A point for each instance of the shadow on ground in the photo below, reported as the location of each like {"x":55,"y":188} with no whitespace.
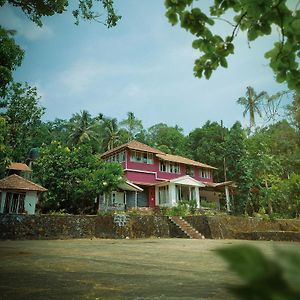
{"x":116,"y":269}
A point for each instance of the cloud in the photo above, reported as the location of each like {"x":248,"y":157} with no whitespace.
{"x":86,"y":73}
{"x":23,"y":26}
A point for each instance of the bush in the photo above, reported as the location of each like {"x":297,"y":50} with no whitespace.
{"x":183,"y":208}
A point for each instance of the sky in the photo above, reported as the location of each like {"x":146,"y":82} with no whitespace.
{"x":143,"y":65}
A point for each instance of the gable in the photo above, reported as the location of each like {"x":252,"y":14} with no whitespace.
{"x":187,"y":180}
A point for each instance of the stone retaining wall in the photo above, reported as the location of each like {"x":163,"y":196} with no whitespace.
{"x":77,"y":226}
{"x":143,"y":226}
{"x":232,"y":227}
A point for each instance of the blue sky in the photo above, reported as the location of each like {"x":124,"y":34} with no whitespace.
{"x":143,"y":65}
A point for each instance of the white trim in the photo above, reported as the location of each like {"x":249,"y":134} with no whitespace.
{"x":148,"y":172}
{"x":180,"y":180}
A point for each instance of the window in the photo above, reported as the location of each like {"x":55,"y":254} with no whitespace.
{"x":163,"y":166}
{"x":14,"y":203}
{"x":170,"y":167}
{"x":117,"y":157}
{"x":163,"y":194}
{"x":121,"y":157}
{"x":143,"y":157}
{"x":190,"y":171}
{"x":174,"y":168}
{"x":204,"y":173}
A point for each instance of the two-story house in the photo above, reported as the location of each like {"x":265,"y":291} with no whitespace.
{"x":157,"y":178}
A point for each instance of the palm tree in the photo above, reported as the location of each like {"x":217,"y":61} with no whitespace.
{"x":132,"y":125}
{"x":112,"y":135}
{"x":252,"y":104}
{"x":83,"y":129}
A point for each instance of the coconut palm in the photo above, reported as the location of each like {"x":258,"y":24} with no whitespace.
{"x":112,"y":133}
{"x":83,"y":129}
{"x":252,"y":104}
{"x":132,"y":125}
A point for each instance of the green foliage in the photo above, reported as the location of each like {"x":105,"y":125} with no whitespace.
{"x":207,"y":145}
{"x":264,"y":277}
{"x":252,"y":104}
{"x":209,"y":205}
{"x":11,"y":56}
{"x":5,"y":150}
{"x":111,"y":133}
{"x":23,"y":116}
{"x":36,"y":10}
{"x":285,"y":196}
{"x":167,"y":138}
{"x":237,"y":165}
{"x":183,"y":208}
{"x":133,"y":126}
{"x":257,"y":18}
{"x":83,"y":130}
{"x":74,"y":177}
{"x":294,"y":110}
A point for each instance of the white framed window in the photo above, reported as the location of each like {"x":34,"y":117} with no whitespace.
{"x":163,"y":166}
{"x":142,"y":157}
{"x":121,"y":156}
{"x":117,"y":157}
{"x":163,"y":194}
{"x":174,"y":168}
{"x":169,"y":167}
{"x":205,"y":173}
{"x":190,"y":171}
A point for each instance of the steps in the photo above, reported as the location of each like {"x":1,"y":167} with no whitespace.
{"x":190,"y":231}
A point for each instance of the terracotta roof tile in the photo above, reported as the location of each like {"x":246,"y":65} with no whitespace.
{"x":16,"y":182}
{"x":19,"y":167}
{"x":183,"y":160}
{"x":134,"y":145}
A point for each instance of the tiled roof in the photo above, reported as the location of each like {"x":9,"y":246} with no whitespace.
{"x":134,"y":145}
{"x":19,"y":167}
{"x":221,"y":184}
{"x":183,"y":160}
{"x":16,"y":182}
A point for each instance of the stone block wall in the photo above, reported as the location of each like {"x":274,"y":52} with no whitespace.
{"x":233,"y":227}
{"x":143,"y":226}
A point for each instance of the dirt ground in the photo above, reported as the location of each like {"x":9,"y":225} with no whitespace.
{"x":117,"y":269}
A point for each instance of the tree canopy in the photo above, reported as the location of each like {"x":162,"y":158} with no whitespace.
{"x":74,"y":177}
{"x":23,"y":113}
{"x":257,"y":18}
{"x":11,"y":56}
{"x":86,"y":10}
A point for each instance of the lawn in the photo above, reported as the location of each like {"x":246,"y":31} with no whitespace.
{"x":117,"y":269}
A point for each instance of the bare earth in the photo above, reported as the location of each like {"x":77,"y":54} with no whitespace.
{"x":118,"y":269}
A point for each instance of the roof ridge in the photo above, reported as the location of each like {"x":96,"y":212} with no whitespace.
{"x":132,"y":145}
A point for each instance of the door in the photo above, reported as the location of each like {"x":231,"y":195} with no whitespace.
{"x":151,"y":196}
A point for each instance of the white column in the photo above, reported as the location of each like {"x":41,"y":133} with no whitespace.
{"x":135,"y":200}
{"x":172,"y":195}
{"x":227,"y":198}
{"x":2,"y":201}
{"x":197,"y":197}
{"x":157,"y":196}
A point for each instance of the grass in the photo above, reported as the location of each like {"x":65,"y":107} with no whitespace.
{"x":117,"y":269}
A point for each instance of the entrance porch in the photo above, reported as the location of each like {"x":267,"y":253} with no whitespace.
{"x":169,"y":193}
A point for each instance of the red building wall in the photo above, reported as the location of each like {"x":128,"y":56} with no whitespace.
{"x":150,"y":173}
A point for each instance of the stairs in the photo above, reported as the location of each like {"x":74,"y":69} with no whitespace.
{"x":190,"y":231}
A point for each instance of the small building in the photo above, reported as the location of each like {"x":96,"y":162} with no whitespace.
{"x":19,"y":195}
{"x":20,"y":169}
